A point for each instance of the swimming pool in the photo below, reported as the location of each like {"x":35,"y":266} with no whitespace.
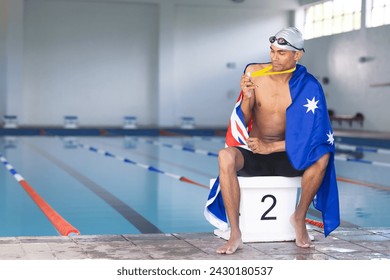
{"x":140,"y":184}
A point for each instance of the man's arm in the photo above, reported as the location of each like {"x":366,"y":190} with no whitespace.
{"x":248,"y":100}
{"x":247,"y":106}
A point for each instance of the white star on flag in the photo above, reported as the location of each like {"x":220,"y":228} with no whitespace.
{"x":330,"y":138}
{"x":311,"y":105}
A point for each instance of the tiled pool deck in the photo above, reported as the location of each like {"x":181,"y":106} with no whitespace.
{"x":342,"y":244}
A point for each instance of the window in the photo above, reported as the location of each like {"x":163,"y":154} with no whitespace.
{"x":377,"y":12}
{"x":332,"y":17}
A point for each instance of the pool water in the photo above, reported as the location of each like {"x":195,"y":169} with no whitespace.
{"x":133,"y":184}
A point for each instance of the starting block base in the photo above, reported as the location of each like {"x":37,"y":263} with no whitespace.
{"x":266,"y":205}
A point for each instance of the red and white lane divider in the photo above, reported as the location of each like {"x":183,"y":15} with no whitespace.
{"x":144,"y":166}
{"x":62,"y":226}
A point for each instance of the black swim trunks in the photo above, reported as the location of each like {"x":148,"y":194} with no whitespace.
{"x":275,"y":164}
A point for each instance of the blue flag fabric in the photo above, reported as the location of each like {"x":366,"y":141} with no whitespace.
{"x":309,"y":136}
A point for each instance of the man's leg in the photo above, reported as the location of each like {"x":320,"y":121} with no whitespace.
{"x":230,"y":161}
{"x":311,"y":181}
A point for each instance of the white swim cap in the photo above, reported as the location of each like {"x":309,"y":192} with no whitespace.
{"x":289,"y":38}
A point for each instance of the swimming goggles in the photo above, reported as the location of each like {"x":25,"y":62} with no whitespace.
{"x":283,"y":42}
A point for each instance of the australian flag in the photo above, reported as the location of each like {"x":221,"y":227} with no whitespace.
{"x":309,"y":136}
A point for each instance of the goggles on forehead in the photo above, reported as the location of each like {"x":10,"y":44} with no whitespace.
{"x":283,"y":42}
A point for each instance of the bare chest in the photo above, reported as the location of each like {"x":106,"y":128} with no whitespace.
{"x":273,"y":99}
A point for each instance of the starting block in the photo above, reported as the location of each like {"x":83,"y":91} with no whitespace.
{"x":267,"y":202}
{"x":71,"y":122}
{"x":10,"y":121}
{"x":187,"y":123}
{"x":129,"y":122}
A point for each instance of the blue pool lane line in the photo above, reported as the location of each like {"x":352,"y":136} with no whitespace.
{"x":363,"y":149}
{"x":144,"y":166}
{"x":179,"y":147}
{"x":377,"y":163}
{"x":349,"y":159}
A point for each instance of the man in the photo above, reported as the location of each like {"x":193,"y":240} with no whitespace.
{"x":283,"y":109}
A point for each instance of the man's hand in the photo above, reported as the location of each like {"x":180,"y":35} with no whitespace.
{"x":247,"y":86}
{"x":258,"y":146}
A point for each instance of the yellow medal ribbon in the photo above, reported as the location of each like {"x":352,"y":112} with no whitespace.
{"x":266,"y":72}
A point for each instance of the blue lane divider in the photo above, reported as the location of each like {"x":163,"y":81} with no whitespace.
{"x":211,"y":139}
{"x":343,"y":158}
{"x":144,"y":166}
{"x":179,"y":147}
{"x":363,"y":149}
{"x":11,"y":169}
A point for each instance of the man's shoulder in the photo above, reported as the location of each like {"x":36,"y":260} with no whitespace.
{"x":252,"y":67}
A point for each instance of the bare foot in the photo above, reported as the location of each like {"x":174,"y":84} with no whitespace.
{"x":231,"y":246}
{"x":302,"y":238}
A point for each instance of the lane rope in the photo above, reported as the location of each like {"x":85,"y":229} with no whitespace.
{"x":350,"y":159}
{"x":220,"y":140}
{"x":62,"y":226}
{"x":144,"y":166}
{"x":314,"y":223}
{"x":364,"y":184}
{"x":363,"y":149}
{"x":179,"y":147}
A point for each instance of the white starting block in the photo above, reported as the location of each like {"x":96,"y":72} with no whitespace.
{"x":71,"y":122}
{"x":267,"y":202}
{"x":10,"y":121}
{"x":129,"y":122}
{"x":187,"y":123}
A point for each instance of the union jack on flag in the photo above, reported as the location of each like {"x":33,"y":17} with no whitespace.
{"x":237,"y":132}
